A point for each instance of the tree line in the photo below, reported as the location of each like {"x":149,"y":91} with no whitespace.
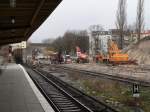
{"x":68,"y":42}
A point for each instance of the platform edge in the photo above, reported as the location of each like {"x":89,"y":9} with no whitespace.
{"x":46,"y":106}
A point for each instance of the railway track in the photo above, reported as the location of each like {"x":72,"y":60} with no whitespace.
{"x":106,"y":76}
{"x":62,"y":96}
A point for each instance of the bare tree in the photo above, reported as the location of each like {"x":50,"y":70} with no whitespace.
{"x":140,"y":18}
{"x":68,"y":42}
{"x":132,"y":27}
{"x":121,"y":20}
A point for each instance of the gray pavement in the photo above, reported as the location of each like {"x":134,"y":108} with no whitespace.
{"x":16,"y":95}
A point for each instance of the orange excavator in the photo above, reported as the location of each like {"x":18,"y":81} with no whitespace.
{"x":81,"y":57}
{"x":114,"y":55}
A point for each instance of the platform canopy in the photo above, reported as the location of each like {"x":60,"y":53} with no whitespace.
{"x":20,"y":18}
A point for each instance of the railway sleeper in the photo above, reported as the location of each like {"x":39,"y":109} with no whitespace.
{"x":61,"y":98}
{"x":69,"y":108}
{"x":58,"y":97}
{"x":77,"y":110}
{"x":64,"y":103}
{"x":67,"y":105}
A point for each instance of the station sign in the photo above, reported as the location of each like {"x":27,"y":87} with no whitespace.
{"x":21,"y":45}
{"x":136,"y":90}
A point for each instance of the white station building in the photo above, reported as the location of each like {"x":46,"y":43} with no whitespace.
{"x":98,"y":42}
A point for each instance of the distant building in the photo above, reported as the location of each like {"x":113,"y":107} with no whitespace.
{"x":128,"y":37}
{"x":146,"y":33}
{"x":115,"y":34}
{"x":143,"y":34}
{"x":98,"y":39}
{"x":103,"y":40}
{"x":98,"y":42}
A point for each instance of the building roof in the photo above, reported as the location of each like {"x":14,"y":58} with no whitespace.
{"x":20,"y":18}
{"x":144,"y":33}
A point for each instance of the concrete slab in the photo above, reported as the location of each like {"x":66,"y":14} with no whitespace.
{"x":17,"y":92}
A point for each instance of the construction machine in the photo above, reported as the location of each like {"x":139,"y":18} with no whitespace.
{"x":81,"y":57}
{"x":114,"y":55}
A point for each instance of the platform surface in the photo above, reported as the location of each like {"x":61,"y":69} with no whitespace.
{"x":16,"y":94}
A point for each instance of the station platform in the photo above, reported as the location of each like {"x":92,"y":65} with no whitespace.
{"x":18,"y":93}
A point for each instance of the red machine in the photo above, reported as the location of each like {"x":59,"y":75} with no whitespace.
{"x":81,"y":57}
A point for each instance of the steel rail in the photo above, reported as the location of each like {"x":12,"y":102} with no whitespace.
{"x":62,"y":96}
{"x":108,"y":76}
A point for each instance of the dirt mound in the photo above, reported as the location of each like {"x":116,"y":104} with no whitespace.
{"x":140,"y":51}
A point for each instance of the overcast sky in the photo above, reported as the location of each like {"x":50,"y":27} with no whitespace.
{"x":80,"y":14}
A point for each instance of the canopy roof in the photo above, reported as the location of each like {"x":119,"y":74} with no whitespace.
{"x":20,"y":18}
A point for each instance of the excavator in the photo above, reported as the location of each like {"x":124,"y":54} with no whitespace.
{"x":81,"y":57}
{"x":114,"y":55}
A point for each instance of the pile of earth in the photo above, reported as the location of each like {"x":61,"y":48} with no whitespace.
{"x":140,"y":51}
